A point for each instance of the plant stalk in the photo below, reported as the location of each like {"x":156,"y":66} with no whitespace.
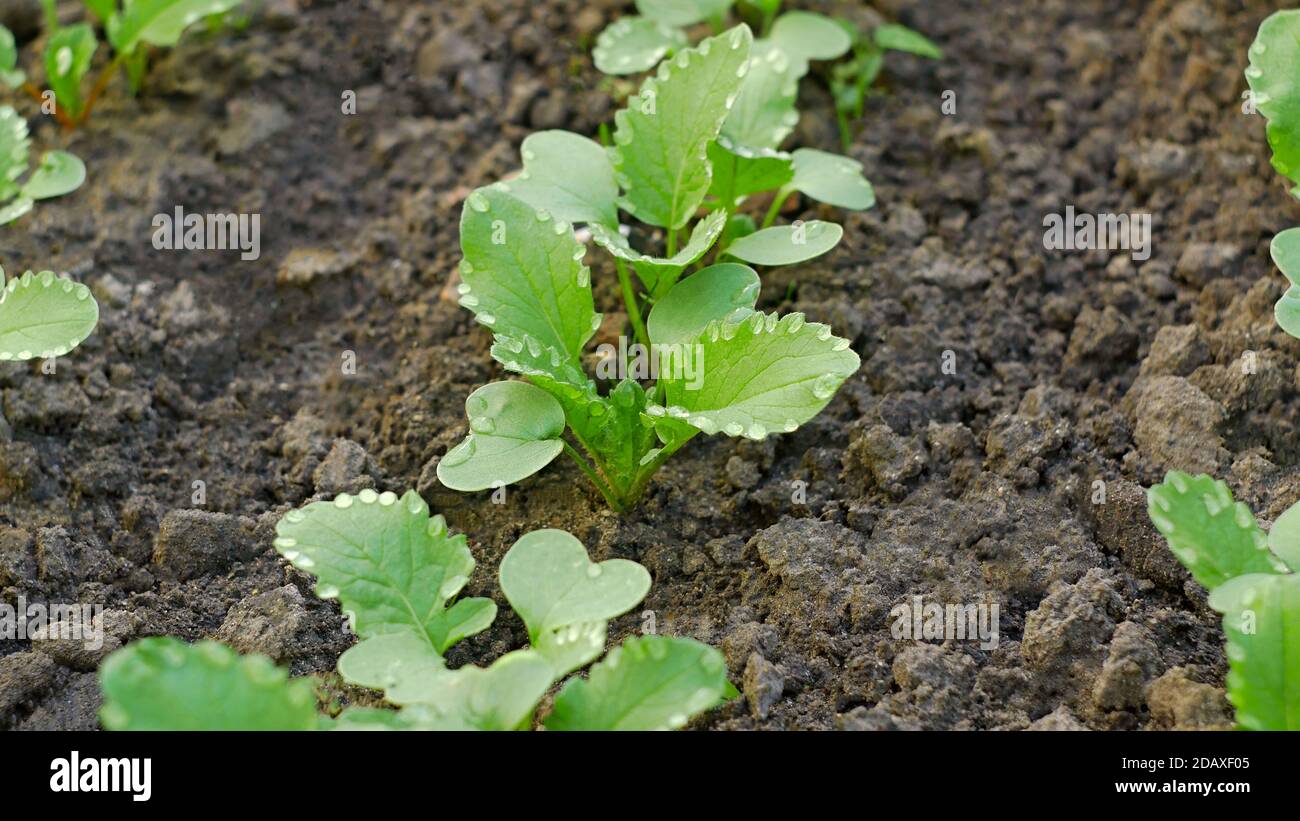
{"x":629,"y":300}
{"x":611,"y":497}
{"x":777,"y":203}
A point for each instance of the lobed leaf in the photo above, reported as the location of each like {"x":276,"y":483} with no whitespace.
{"x":727,"y":292}
{"x":647,"y":683}
{"x":832,"y":179}
{"x":67,"y":59}
{"x":762,"y":374}
{"x":1214,"y":537}
{"x":634,"y":44}
{"x":402,"y":664}
{"x":658,"y":274}
{"x":523,"y":273}
{"x":548,"y":181}
{"x":14,"y":148}
{"x":1261,"y":619}
{"x":516,"y":429}
{"x":44,"y":316}
{"x":166,"y":684}
{"x":661,"y":139}
{"x":1273,"y":83}
{"x":390,"y":565}
{"x":787,"y":244}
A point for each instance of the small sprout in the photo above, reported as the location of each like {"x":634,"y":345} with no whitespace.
{"x":1253,"y":581}
{"x":388,"y":562}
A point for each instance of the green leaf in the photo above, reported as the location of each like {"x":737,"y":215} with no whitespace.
{"x":402,"y":664}
{"x":806,"y":35}
{"x":647,"y":683}
{"x":1261,"y":618}
{"x":103,"y":9}
{"x":166,"y":684}
{"x":548,"y":181}
{"x":14,"y":148}
{"x":787,"y":244}
{"x":523,"y":272}
{"x":832,"y":179}
{"x":552,"y":584}
{"x":683,"y":12}
{"x":1272,"y":78}
{"x":44,"y":316}
{"x":159,"y":22}
{"x":1285,"y":250}
{"x":10,"y":74}
{"x":631,"y":45}
{"x":59,"y":173}
{"x":739,"y":170}
{"x":516,"y":429}
{"x":740,"y":225}
{"x":500,"y":697}
{"x":1214,"y":537}
{"x":18,"y":208}
{"x":764,"y":113}
{"x":67,"y":59}
{"x":898,"y":37}
{"x":762,"y":375}
{"x":573,"y":647}
{"x":658,"y":274}
{"x":391,"y":567}
{"x":661,"y":138}
{"x":1284,"y":538}
{"x":726,"y":292}
{"x":613,"y":427}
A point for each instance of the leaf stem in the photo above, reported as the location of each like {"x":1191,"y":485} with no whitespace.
{"x":629,"y":300}
{"x":777,"y":203}
{"x":59,"y":114}
{"x":611,"y":497}
{"x":101,"y":84}
{"x":644,"y":475}
{"x":672,"y":242}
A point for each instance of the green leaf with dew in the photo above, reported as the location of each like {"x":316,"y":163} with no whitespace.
{"x":631,"y":45}
{"x":1275,"y":91}
{"x":1261,"y":619}
{"x":832,"y":179}
{"x":787,"y":244}
{"x":43,"y":316}
{"x":658,"y":274}
{"x":549,"y":182}
{"x":516,"y":429}
{"x":59,"y":173}
{"x":726,"y":292}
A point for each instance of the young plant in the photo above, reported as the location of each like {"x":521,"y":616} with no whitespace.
{"x":43,"y":316}
{"x":59,"y":172}
{"x":1274,"y":61}
{"x":680,"y":163}
{"x":852,"y":80}
{"x":1253,"y":581}
{"x":397,"y":572}
{"x":131,"y":26}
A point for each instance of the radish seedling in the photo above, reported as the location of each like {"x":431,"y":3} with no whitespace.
{"x":59,"y":172}
{"x":43,"y":316}
{"x":396,"y":572}
{"x":1252,"y":581}
{"x":131,"y":26}
{"x":719,"y":365}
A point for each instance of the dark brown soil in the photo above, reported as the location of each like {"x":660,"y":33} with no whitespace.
{"x":974,"y":485}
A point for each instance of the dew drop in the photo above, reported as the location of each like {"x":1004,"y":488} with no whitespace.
{"x":343,"y":501}
{"x":478,"y":202}
{"x":594,"y":571}
{"x":460,"y":454}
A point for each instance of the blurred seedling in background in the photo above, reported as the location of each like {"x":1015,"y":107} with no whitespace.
{"x":131,"y":28}
{"x":1274,"y":65}
{"x":689,"y":151}
{"x":397,"y":573}
{"x":57,"y":174}
{"x":788,"y":42}
{"x":1252,"y":579}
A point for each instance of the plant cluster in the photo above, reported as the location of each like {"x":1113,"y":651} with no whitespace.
{"x":397,"y":573}
{"x":690,"y":149}
{"x":130,"y":26}
{"x":1254,"y":581}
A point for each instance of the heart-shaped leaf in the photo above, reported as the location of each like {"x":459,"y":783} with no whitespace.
{"x":1284,"y":537}
{"x":402,"y":664}
{"x":647,"y":683}
{"x":726,"y":292}
{"x":762,"y":375}
{"x":1214,"y":537}
{"x":764,"y":113}
{"x":523,"y":273}
{"x":500,"y":697}
{"x":631,"y":45}
{"x":806,"y":35}
{"x":59,"y":173}
{"x":1285,"y":250}
{"x":832,"y":179}
{"x":1271,"y":76}
{"x":660,"y":154}
{"x":551,"y":583}
{"x":391,"y":566}
{"x":1261,"y":619}
{"x":548,"y":181}
{"x":516,"y":429}
{"x":43,"y":316}
{"x":658,"y":274}
{"x":898,"y":37}
{"x":787,"y":244}
{"x":67,"y":59}
{"x":165,"y":684}
{"x":160,"y":22}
